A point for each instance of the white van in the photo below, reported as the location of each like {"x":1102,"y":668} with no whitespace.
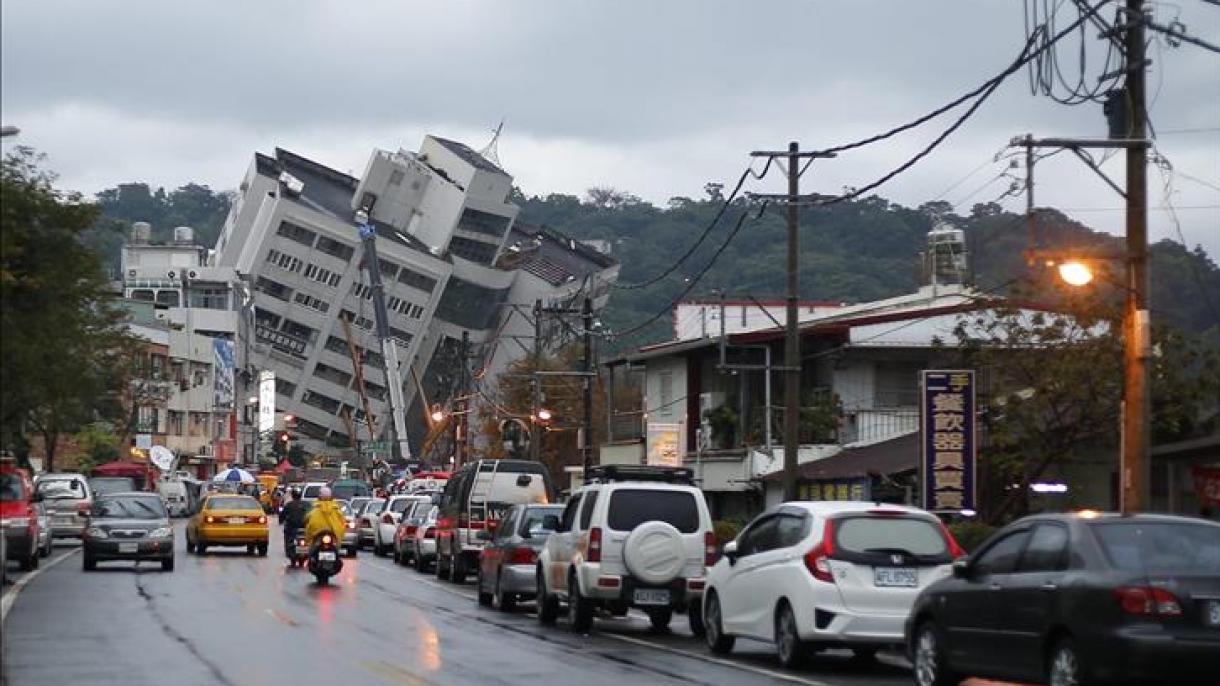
{"x":176,"y":499}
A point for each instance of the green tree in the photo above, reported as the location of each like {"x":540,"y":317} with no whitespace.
{"x":96,"y":444}
{"x":63,"y":343}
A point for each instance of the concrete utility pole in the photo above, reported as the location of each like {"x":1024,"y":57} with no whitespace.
{"x":792,"y":347}
{"x":461,"y":411}
{"x":536,"y":386}
{"x":1136,"y":441}
{"x":587,"y":321}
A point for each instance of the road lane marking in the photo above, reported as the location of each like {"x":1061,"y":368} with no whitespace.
{"x":282,"y":618}
{"x":395,"y":673}
{"x":11,"y":595}
{"x":716,"y":660}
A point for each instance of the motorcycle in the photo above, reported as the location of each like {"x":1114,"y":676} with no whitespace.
{"x":298,"y":550}
{"x":324,"y":559}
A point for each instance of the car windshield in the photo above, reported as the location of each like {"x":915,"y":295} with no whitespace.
{"x":889,"y":534}
{"x":311,"y":491}
{"x":58,"y":489}
{"x":374,"y":507}
{"x":132,"y":507}
{"x":400,"y":505}
{"x":535,"y":518}
{"x":112,"y":484}
{"x":10,"y":487}
{"x":343,"y":491}
{"x":1161,"y":547}
{"x":233,"y":503}
{"x":631,"y":507}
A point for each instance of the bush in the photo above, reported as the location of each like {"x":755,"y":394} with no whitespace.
{"x":970,"y":534}
{"x":725,"y":530}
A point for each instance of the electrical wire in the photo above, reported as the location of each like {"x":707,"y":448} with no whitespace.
{"x":702,"y":236}
{"x":1165,"y":167}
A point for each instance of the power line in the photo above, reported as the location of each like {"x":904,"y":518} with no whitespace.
{"x":1165,"y":168}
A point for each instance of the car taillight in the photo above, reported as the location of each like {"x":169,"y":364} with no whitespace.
{"x":387,"y":518}
{"x":595,"y":545}
{"x":817,"y":561}
{"x":710,"y":553}
{"x":256,"y":520}
{"x":1148,"y":601}
{"x":411,"y":530}
{"x":444,"y":523}
{"x":351,"y":523}
{"x":955,"y":550}
{"x":430,"y":533}
{"x":475,"y":524}
{"x":522,"y":556}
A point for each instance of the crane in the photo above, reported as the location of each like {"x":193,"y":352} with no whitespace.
{"x":389,"y":350}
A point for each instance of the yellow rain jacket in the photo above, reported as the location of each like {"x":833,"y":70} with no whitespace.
{"x":325,"y":516}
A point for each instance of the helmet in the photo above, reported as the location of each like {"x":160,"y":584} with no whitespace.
{"x":324,"y":493}
{"x":296,"y":493}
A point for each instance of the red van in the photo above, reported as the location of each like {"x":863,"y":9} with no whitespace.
{"x":18,"y":518}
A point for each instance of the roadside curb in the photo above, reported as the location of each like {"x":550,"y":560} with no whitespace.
{"x":10,"y":596}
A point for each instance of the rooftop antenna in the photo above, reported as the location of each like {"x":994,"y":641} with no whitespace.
{"x":490,"y":151}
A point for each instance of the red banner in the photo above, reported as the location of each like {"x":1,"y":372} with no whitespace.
{"x":1207,"y":485}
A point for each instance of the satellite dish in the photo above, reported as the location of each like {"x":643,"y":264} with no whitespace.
{"x":162,"y":457}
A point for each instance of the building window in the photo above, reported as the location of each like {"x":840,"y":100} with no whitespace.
{"x":168,"y":298}
{"x":475,"y":251}
{"x":311,"y":302}
{"x":297,"y":329}
{"x":322,"y":275}
{"x":361,"y":322}
{"x":300,"y":234}
{"x":209,"y":298}
{"x":274,"y":289}
{"x":483,"y":222}
{"x":310,"y":429}
{"x":175,"y":423}
{"x":284,"y":261}
{"x":337,"y":345}
{"x":148,"y":420}
{"x":402,"y":336}
{"x":143,"y":295}
{"x":416,"y":280}
{"x":374,"y":390}
{"x":335,"y":376}
{"x":264,"y":318}
{"x":362,"y":291}
{"x":284,"y":387}
{"x":335,"y":248}
{"x":320,"y":401}
{"x":396,"y":177}
{"x":388,"y":269}
{"x":415,"y":312}
{"x":667,"y":394}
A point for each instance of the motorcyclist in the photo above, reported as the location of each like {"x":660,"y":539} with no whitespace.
{"x":325,"y":516}
{"x":292,"y":517}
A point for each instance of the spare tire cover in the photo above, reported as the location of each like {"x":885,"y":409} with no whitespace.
{"x":653,"y":552}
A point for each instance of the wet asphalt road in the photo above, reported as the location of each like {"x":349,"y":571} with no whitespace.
{"x":229,"y":618}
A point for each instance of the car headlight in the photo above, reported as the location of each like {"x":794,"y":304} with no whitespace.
{"x":163,"y":532}
{"x":96,"y":532}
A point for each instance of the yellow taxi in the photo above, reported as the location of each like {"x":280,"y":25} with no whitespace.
{"x":225,"y":519}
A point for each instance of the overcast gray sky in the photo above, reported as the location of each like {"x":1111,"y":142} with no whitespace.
{"x":655,"y":98}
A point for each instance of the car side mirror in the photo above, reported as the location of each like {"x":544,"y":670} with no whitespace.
{"x":483,"y":536}
{"x":551,"y":522}
{"x":730,"y":552}
{"x":961,"y":568}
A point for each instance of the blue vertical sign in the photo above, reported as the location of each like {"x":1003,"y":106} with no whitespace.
{"x":949,"y":439}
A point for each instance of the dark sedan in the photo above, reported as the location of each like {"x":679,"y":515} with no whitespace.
{"x":128,"y":526}
{"x":1077,"y":599}
{"x":510,"y":554}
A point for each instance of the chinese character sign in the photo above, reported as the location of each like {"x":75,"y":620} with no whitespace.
{"x":223,"y":374}
{"x":949,"y":448}
{"x":663,"y":445}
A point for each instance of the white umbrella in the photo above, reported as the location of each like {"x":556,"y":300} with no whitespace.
{"x":233,"y":474}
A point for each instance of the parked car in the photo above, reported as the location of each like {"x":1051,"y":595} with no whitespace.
{"x":356,"y":503}
{"x":813,"y":575}
{"x":474,"y":500}
{"x":404,"y":534}
{"x":310,"y":490}
{"x":177,"y":501}
{"x":103,"y":485}
{"x":19,"y":516}
{"x":128,"y":526}
{"x":423,"y":551}
{"x":509,"y":559}
{"x":351,"y":536}
{"x":46,"y":542}
{"x":228,"y":520}
{"x":632,"y":536}
{"x":1077,"y":599}
{"x":387,"y":521}
{"x":366,"y":521}
{"x":68,"y":498}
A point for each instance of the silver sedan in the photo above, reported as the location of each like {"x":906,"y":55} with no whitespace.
{"x":507,"y":562}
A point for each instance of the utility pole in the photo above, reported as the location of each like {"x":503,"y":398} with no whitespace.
{"x":536,"y":386}
{"x":1136,"y":441}
{"x":792,"y":351}
{"x":461,"y":409}
{"x":587,"y":320}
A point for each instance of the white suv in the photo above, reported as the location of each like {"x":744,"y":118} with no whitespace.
{"x":811,"y":575}
{"x":631,"y":537}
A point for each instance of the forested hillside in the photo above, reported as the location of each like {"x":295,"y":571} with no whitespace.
{"x":852,"y":251}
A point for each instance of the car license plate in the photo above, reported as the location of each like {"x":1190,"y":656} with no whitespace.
{"x":326,"y":555}
{"x":895,"y":576}
{"x":302,"y":550}
{"x":1212,"y":613}
{"x":237,"y":520}
{"x":649,"y":596}
{"x":129,"y":547}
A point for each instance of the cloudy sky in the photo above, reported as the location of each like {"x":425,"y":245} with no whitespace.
{"x":655,"y":98}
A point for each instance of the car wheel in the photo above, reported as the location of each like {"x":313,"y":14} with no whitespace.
{"x":262,"y":549}
{"x":580,"y":610}
{"x":548,"y":605}
{"x":694,"y":615}
{"x":442,"y":569}
{"x":47,"y":549}
{"x":190,"y":547}
{"x":717,"y":641}
{"x":250,"y":549}
{"x":420,"y":565}
{"x":504,"y":602}
{"x":397,"y":556}
{"x":88,"y":563}
{"x":660,"y":619}
{"x":167,"y":565}
{"x":484,"y":596}
{"x":201,"y":548}
{"x":1066,"y":667}
{"x":457,"y":571}
{"x":929,"y":653}
{"x":354,"y":551}
{"x":788,"y":645}
{"x":29,"y":561}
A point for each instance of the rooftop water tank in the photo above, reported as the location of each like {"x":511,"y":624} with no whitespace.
{"x":141,"y":232}
{"x":184,"y":235}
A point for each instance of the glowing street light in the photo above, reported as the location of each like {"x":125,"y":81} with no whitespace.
{"x":438,"y":415}
{"x":1075,"y":273}
{"x":544,"y":415}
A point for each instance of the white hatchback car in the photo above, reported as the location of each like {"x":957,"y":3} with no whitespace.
{"x":813,"y":575}
{"x":386,"y":522}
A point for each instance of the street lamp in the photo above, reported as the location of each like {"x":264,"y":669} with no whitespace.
{"x":438,"y":415}
{"x":1075,"y":273}
{"x":544,"y":415}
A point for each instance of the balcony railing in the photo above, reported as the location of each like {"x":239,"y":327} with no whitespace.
{"x":864,"y":425}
